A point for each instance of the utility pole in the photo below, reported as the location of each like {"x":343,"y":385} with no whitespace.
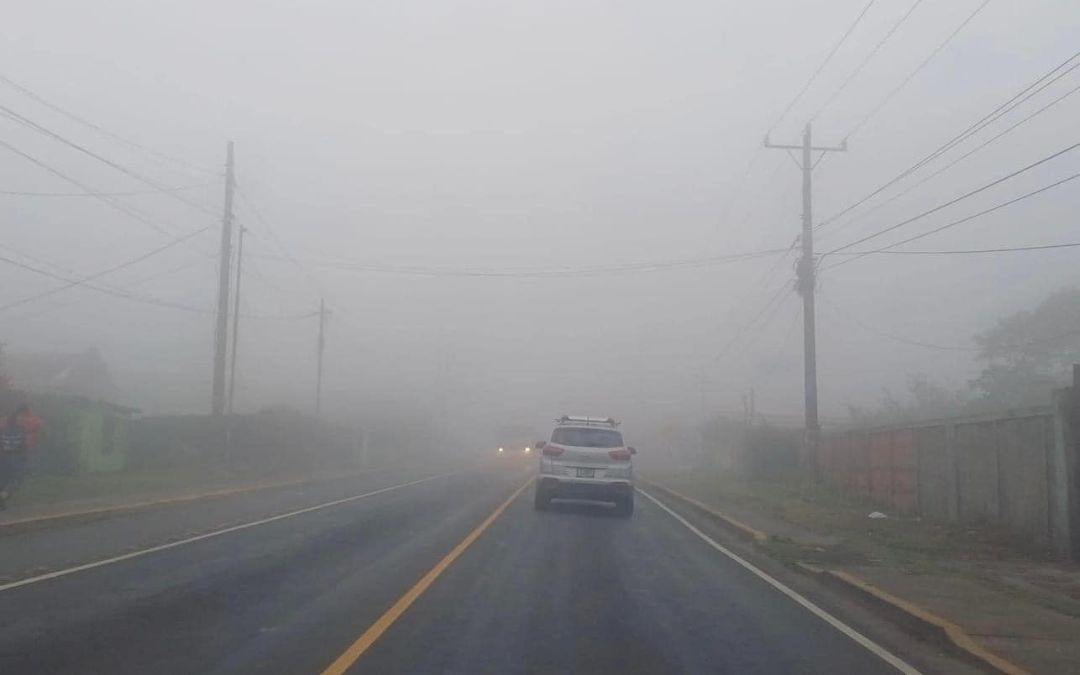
{"x":221,"y":334}
{"x":322,"y":348}
{"x":703,"y":422}
{"x":805,"y":284}
{"x":236,"y":319}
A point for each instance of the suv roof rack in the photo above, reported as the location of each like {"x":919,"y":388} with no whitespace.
{"x":580,"y":420}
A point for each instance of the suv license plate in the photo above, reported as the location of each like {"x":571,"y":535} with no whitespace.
{"x":586,"y":473}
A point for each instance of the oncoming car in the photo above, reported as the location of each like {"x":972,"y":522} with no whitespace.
{"x":586,"y":458}
{"x":515,"y":450}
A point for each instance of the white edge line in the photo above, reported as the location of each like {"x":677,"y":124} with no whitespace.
{"x":870,"y":645}
{"x":216,"y":533}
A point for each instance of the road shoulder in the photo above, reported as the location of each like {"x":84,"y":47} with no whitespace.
{"x":995,"y":629}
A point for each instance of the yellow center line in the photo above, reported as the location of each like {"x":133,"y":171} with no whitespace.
{"x":375,"y":631}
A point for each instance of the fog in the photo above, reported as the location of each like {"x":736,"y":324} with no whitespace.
{"x":502,"y":203}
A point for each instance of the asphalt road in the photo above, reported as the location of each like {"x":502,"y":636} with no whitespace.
{"x":572,"y":590}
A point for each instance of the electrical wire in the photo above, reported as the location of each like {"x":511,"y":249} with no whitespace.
{"x":903,"y":83}
{"x":736,"y":189}
{"x":959,"y":159}
{"x":876,"y":331}
{"x":127,"y":193}
{"x":970,"y":251}
{"x":101,"y":130}
{"x":129,"y":295}
{"x":963,"y":220}
{"x":828,"y":58}
{"x":777,"y":298}
{"x":25,"y":121}
{"x":966,"y":195}
{"x":766,"y":322}
{"x":123,"y":208}
{"x":545,"y":272}
{"x":862,"y":65}
{"x":271,"y":231}
{"x":1016,"y":100}
{"x":97,"y":275}
{"x":945,"y":348}
{"x":993,"y":117}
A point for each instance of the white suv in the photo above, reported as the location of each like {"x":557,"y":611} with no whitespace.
{"x":586,"y":459}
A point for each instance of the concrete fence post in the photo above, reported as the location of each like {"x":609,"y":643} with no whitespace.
{"x":999,"y":477}
{"x":1063,"y":509}
{"x":953,"y":472}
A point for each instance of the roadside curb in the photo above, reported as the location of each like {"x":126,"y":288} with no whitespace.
{"x":900,"y":611}
{"x":19,"y":526}
{"x":737,"y":527}
{"x":917,"y":619}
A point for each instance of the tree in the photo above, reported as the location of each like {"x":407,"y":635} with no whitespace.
{"x":924,"y":399}
{"x":1029,"y":353}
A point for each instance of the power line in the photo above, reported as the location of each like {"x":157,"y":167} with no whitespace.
{"x":97,"y":275}
{"x":277,"y":242}
{"x":777,"y":298}
{"x":42,"y":311}
{"x":736,"y":189}
{"x":903,"y":83}
{"x":545,"y":272}
{"x":762,"y":281}
{"x":897,"y":338}
{"x":945,"y":348}
{"x":994,"y":116}
{"x":127,"y":193}
{"x":129,"y":295}
{"x":968,"y":218}
{"x":63,"y":270}
{"x":962,"y":157}
{"x":969,"y":251}
{"x":137,"y":215}
{"x":119,"y":206}
{"x":101,"y":130}
{"x":873,"y":52}
{"x":256,"y":272}
{"x":989,"y":118}
{"x":119,"y":167}
{"x":828,"y":58}
{"x":976,"y":191}
{"x":960,"y":221}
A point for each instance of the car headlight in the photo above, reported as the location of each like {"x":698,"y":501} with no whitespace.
{"x":500,"y":449}
{"x":528,"y":450}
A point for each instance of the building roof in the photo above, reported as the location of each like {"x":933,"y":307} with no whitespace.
{"x":82,"y":374}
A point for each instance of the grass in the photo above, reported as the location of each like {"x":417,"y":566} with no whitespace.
{"x":44,"y":490}
{"x":916,"y":545}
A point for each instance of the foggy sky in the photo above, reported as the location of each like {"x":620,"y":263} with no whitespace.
{"x":474,"y":135}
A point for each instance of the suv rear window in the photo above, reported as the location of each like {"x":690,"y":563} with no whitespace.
{"x":587,"y":438}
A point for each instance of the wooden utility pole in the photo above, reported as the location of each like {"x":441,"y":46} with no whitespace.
{"x":221,"y":334}
{"x":236,"y":318}
{"x":805,"y":284}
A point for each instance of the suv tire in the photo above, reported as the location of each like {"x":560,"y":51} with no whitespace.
{"x":624,"y":507}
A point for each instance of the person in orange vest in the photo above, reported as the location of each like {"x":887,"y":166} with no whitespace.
{"x":19,"y":438}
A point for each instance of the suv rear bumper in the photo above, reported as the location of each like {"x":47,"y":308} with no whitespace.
{"x":561,"y":487}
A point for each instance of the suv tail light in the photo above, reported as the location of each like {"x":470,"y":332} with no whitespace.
{"x":621,"y":454}
{"x":552,"y":450}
